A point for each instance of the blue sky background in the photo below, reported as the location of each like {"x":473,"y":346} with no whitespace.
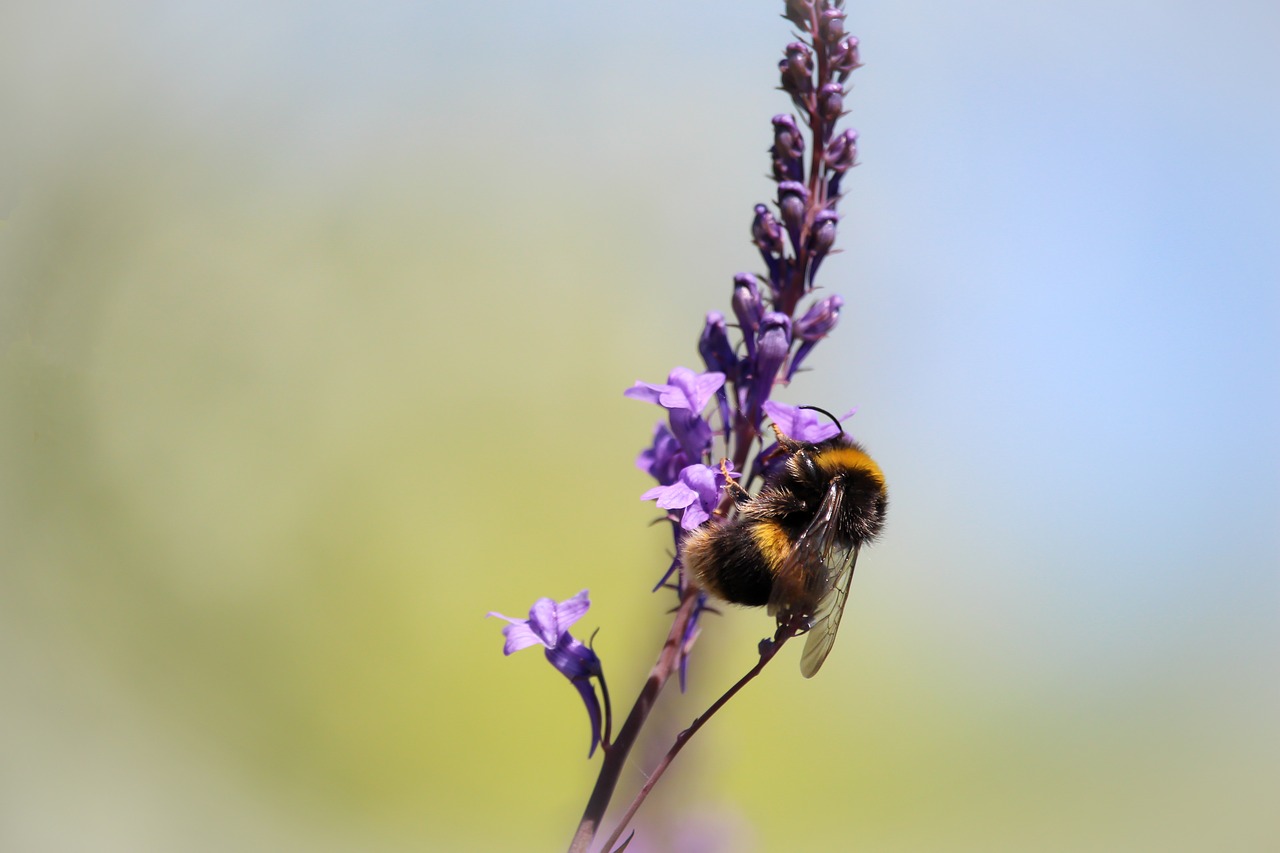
{"x":316,"y":319}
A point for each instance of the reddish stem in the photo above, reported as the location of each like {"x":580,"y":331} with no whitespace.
{"x":768,"y":648}
{"x":615,"y":753}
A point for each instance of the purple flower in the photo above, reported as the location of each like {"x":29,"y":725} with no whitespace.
{"x":664,"y":458}
{"x":788,"y":149}
{"x":748,"y":307}
{"x":714,"y":346}
{"x":684,"y":390}
{"x":772,"y":348}
{"x":793,"y":202}
{"x":685,"y":396}
{"x":845,"y":58}
{"x":803,"y":424}
{"x":696,"y":491}
{"x":766,"y":233}
{"x":821,"y":239}
{"x":548,"y":625}
{"x":796,"y":68}
{"x":815,"y":325}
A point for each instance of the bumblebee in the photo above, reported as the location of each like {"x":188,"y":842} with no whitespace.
{"x":793,"y":545}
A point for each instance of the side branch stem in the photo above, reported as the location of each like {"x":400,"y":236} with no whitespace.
{"x":615,"y":753}
{"x":768,"y":648}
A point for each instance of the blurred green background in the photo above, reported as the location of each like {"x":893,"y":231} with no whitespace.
{"x":315,"y":320}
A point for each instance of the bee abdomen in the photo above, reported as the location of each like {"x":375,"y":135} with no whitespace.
{"x":732,"y":561}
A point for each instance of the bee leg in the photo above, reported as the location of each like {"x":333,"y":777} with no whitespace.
{"x":724,"y":469}
{"x":785,"y":445}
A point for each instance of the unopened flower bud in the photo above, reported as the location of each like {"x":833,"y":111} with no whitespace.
{"x":800,"y":13}
{"x":831,"y":25}
{"x":793,"y":201}
{"x":796,"y":69}
{"x":766,"y":233}
{"x":845,"y":58}
{"x":788,"y":149}
{"x":821,"y":238}
{"x":748,"y":307}
{"x":820,"y":319}
{"x":771,"y":351}
{"x":830,"y":102}
{"x":842,"y":154}
{"x":714,"y":347}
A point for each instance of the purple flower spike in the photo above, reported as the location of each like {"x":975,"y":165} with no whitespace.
{"x":548,"y":624}
{"x":697,"y":492}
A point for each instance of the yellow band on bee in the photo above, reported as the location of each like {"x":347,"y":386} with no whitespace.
{"x":772,"y":541}
{"x":837,"y":459}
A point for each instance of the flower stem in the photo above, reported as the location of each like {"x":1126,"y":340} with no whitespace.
{"x":768,"y":648}
{"x":615,"y":753}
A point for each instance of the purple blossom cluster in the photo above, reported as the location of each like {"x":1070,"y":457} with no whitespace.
{"x":712,"y":433}
{"x":767,"y":343}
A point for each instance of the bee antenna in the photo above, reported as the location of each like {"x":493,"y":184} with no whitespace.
{"x":834,"y":419}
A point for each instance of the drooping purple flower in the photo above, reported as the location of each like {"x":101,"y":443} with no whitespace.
{"x":696,"y":492}
{"x":548,"y":625}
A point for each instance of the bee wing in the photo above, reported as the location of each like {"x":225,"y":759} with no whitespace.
{"x":814,"y":563}
{"x":826,"y":619}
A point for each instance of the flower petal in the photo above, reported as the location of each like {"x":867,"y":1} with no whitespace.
{"x":519,"y":636}
{"x":675,"y":496}
{"x":693,"y":516}
{"x":542,"y":620}
{"x":646,"y":392}
{"x":571,"y":610}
